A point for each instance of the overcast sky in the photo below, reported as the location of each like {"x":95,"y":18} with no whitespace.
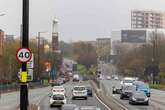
{"x":78,"y":19}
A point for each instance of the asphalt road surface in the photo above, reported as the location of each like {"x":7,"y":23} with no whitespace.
{"x":92,"y":101}
{"x":9,"y":101}
{"x":157,"y":99}
{"x":153,"y":105}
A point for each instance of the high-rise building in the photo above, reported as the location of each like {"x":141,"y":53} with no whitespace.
{"x":55,"y":42}
{"x":147,"y":19}
{"x":1,"y":42}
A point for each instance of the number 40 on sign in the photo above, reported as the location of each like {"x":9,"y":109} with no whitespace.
{"x":24,"y":55}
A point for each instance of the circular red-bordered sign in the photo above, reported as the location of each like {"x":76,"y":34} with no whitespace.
{"x":23,"y":55}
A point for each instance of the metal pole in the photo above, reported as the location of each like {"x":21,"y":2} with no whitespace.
{"x":38,"y":69}
{"x":25,"y":44}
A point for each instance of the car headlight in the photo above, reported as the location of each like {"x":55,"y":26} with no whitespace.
{"x":133,"y":98}
{"x":146,"y":99}
{"x":51,"y":101}
{"x":64,"y":101}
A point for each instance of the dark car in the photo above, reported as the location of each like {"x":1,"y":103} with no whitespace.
{"x":116,"y":89}
{"x":138,"y":97}
{"x":126,"y":91}
{"x":89,"y":91}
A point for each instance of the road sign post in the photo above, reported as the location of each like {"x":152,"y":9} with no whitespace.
{"x":25,"y":44}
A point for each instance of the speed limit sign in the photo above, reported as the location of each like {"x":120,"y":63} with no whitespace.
{"x":24,"y":55}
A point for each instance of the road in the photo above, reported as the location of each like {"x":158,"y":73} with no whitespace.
{"x":9,"y":101}
{"x":92,"y":101}
{"x":157,"y":99}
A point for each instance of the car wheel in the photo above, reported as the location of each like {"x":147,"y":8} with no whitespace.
{"x":147,"y":103}
{"x":130,"y":102}
{"x":121,"y":96}
{"x":85,"y":98}
{"x":51,"y":106}
{"x":73,"y":98}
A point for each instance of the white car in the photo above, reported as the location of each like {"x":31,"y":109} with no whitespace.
{"x":57,"y":100}
{"x":116,"y":78}
{"x":101,"y":77}
{"x":79,"y":92}
{"x":128,"y":81}
{"x":76,"y":78}
{"x":58,"y":90}
{"x":108,"y":77}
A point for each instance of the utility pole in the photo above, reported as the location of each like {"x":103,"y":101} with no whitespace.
{"x":38,"y":69}
{"x":39,"y":41}
{"x":25,"y":44}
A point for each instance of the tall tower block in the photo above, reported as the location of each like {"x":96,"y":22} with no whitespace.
{"x":55,"y":42}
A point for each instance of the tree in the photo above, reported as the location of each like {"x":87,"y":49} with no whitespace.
{"x":66,"y":49}
{"x":85,"y":53}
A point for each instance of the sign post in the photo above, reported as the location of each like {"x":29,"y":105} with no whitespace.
{"x":23,"y":55}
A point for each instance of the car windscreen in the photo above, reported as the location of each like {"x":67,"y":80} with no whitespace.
{"x":79,"y":88}
{"x":58,"y":97}
{"x":128,"y":81}
{"x":127,"y":88}
{"x":139,"y":94}
{"x":143,"y":86}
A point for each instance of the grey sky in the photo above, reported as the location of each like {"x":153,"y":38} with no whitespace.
{"x":78,"y":19}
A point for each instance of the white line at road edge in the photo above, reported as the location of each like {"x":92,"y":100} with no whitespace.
{"x":120,"y":104}
{"x":102,"y":102}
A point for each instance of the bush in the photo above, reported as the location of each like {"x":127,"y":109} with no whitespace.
{"x":157,"y":86}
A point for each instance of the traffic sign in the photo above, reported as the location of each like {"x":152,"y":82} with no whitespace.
{"x":30,"y":75}
{"x":24,"y":55}
{"x":24,"y":76}
{"x":30,"y":64}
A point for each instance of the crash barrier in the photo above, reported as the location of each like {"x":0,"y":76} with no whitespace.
{"x":106,"y":98}
{"x":8,"y":87}
{"x":97,"y":82}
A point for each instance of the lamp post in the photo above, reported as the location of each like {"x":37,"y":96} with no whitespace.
{"x":1,"y":55}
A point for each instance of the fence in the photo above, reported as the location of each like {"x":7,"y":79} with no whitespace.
{"x":6,"y":87}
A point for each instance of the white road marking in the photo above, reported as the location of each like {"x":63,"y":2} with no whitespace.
{"x":102,"y":102}
{"x":38,"y":107}
{"x":120,"y":104}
